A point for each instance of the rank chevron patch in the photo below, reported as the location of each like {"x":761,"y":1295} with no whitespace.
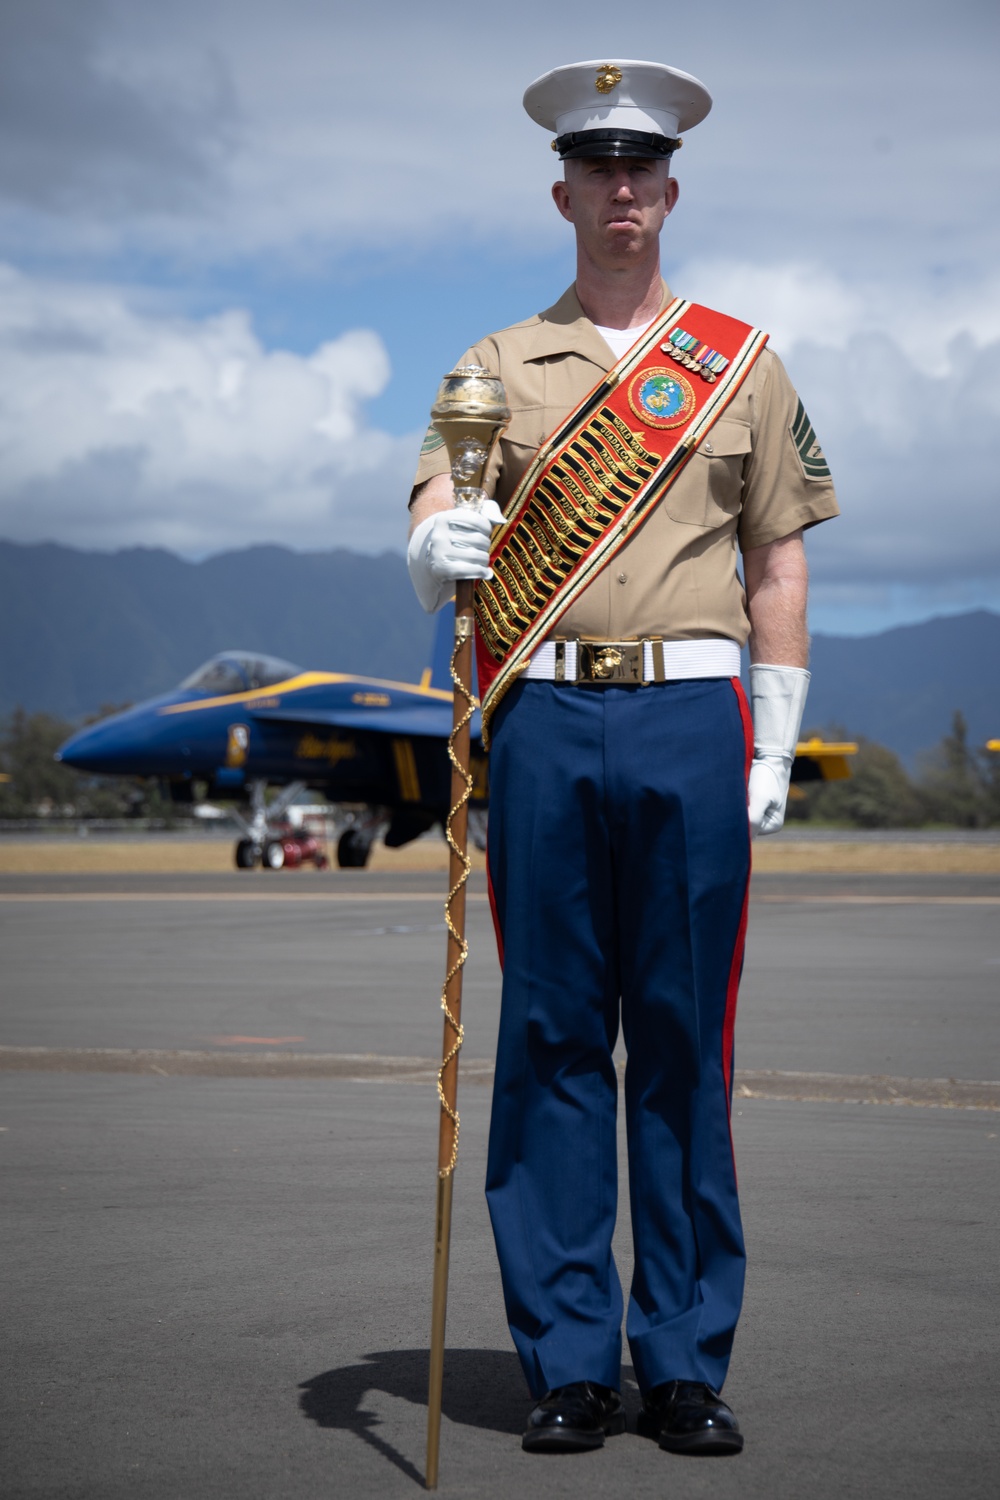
{"x":814,"y":465}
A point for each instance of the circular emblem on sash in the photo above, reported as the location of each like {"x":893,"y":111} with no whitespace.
{"x":661,"y":397}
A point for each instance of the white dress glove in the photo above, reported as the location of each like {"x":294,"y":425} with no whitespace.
{"x":449,"y":545}
{"x":777,"y":701}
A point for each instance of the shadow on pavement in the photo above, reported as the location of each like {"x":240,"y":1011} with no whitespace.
{"x":482,"y":1388}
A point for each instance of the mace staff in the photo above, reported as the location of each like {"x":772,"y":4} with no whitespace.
{"x":470,"y":413}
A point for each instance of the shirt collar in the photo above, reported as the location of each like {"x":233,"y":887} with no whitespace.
{"x":566,"y":329}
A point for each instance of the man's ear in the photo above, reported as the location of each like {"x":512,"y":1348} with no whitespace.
{"x":671,"y":193}
{"x":561,"y":199}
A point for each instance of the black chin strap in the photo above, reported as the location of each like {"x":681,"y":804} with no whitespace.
{"x":615,"y":143}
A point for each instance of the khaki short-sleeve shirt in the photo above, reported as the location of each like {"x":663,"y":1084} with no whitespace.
{"x":758,"y":476}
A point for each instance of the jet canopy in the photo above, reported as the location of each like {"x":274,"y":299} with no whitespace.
{"x":239,"y":672}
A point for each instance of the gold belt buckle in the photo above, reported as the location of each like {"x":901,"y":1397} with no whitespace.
{"x":620,"y":661}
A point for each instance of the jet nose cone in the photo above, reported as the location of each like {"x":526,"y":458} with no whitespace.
{"x":90,"y":749}
{"x":118,"y":746}
{"x":138,"y":742}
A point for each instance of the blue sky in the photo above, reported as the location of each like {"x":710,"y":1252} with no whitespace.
{"x":240,"y":240}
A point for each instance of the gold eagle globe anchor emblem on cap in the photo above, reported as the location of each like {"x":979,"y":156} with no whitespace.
{"x":608,"y":78}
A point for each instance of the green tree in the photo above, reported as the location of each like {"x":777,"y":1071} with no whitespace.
{"x":990,"y":775}
{"x":27,"y":746}
{"x":40,"y":786}
{"x":879,"y":793}
{"x":952,"y":786}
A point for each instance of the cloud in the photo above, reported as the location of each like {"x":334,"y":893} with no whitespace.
{"x":322,"y":157}
{"x":82,"y":135}
{"x":904,"y":393}
{"x":120,"y":426}
{"x":222,"y":130}
{"x":816,"y":302}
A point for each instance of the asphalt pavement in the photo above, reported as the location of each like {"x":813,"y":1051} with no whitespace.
{"x":220,"y":1285}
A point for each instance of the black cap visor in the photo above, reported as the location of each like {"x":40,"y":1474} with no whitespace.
{"x":614,"y":143}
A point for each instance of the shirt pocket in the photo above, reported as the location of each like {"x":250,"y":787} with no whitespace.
{"x":709,"y":489}
{"x":518,"y":445}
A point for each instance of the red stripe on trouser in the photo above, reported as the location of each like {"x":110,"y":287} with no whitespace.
{"x":736,"y":967}
{"x":493,"y":910}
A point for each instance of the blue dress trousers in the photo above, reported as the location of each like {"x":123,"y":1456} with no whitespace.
{"x":619,"y":860}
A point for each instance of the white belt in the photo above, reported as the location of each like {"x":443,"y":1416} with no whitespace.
{"x":619,"y":661}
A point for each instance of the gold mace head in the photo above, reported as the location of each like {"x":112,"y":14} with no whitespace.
{"x":470,"y":413}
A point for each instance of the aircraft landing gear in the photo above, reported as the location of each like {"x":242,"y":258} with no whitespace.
{"x":364,"y":826}
{"x":272,"y":856}
{"x":247,"y":854}
{"x":257,"y":824}
{"x":353,"y":850}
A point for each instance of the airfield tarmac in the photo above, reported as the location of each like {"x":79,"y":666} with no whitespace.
{"x":219,"y":1129}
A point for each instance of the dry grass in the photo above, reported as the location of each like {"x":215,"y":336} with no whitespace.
{"x":40,"y":856}
{"x":425,"y":854}
{"x":136,"y":856}
{"x":780,"y":856}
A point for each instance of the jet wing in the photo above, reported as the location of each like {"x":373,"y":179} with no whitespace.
{"x":432,"y":720}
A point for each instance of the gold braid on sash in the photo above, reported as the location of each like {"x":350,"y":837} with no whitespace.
{"x":580,"y":495}
{"x":595,"y":479}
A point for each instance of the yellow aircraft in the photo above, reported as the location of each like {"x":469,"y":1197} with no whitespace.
{"x":821,"y":760}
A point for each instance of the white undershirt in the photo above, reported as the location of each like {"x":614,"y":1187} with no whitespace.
{"x":620,"y":340}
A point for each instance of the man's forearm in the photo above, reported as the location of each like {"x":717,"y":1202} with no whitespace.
{"x":777,"y":585}
{"x":436,"y":494}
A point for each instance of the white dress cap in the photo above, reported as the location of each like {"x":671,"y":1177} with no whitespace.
{"x":617,"y":104}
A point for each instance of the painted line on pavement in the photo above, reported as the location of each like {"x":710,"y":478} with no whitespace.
{"x":814,"y":899}
{"x":286,"y":897}
{"x":333,"y":897}
{"x":359,"y":1067}
{"x":840,"y":1088}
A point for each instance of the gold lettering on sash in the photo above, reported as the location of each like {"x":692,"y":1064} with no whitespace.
{"x":593,"y":486}
{"x":506,"y":595}
{"x":626,"y":465}
{"x":499,"y":632}
{"x":519,"y":561}
{"x":536,"y":551}
{"x":499,"y":620}
{"x":506,"y":626}
{"x":586,"y":504}
{"x":557,"y":517}
{"x":513,"y":588}
{"x":548,"y":533}
{"x":569,"y":545}
{"x":588,"y":488}
{"x":627,"y":436}
{"x":581,"y":488}
{"x":579,"y":491}
{"x":596,"y":459}
{"x":499,"y":594}
{"x":487,"y":620}
{"x":601,"y":461}
{"x":613,"y":497}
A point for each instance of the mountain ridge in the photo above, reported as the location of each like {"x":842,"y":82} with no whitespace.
{"x":82,"y":629}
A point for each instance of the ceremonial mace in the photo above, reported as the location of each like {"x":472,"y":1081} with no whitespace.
{"x":470,"y":413}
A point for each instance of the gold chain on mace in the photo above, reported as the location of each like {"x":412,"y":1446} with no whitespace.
{"x":463,"y":629}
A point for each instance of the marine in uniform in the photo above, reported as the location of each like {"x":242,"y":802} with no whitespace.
{"x":643,"y":464}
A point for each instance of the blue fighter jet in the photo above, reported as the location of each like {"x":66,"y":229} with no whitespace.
{"x":375,"y":750}
{"x":244,"y":723}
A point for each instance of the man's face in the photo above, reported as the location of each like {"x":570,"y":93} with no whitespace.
{"x":616,"y":204}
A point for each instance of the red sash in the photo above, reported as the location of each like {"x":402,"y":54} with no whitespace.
{"x":599,"y":475}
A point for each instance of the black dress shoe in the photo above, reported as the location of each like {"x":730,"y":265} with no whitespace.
{"x":573,"y":1418}
{"x":687,"y":1416}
